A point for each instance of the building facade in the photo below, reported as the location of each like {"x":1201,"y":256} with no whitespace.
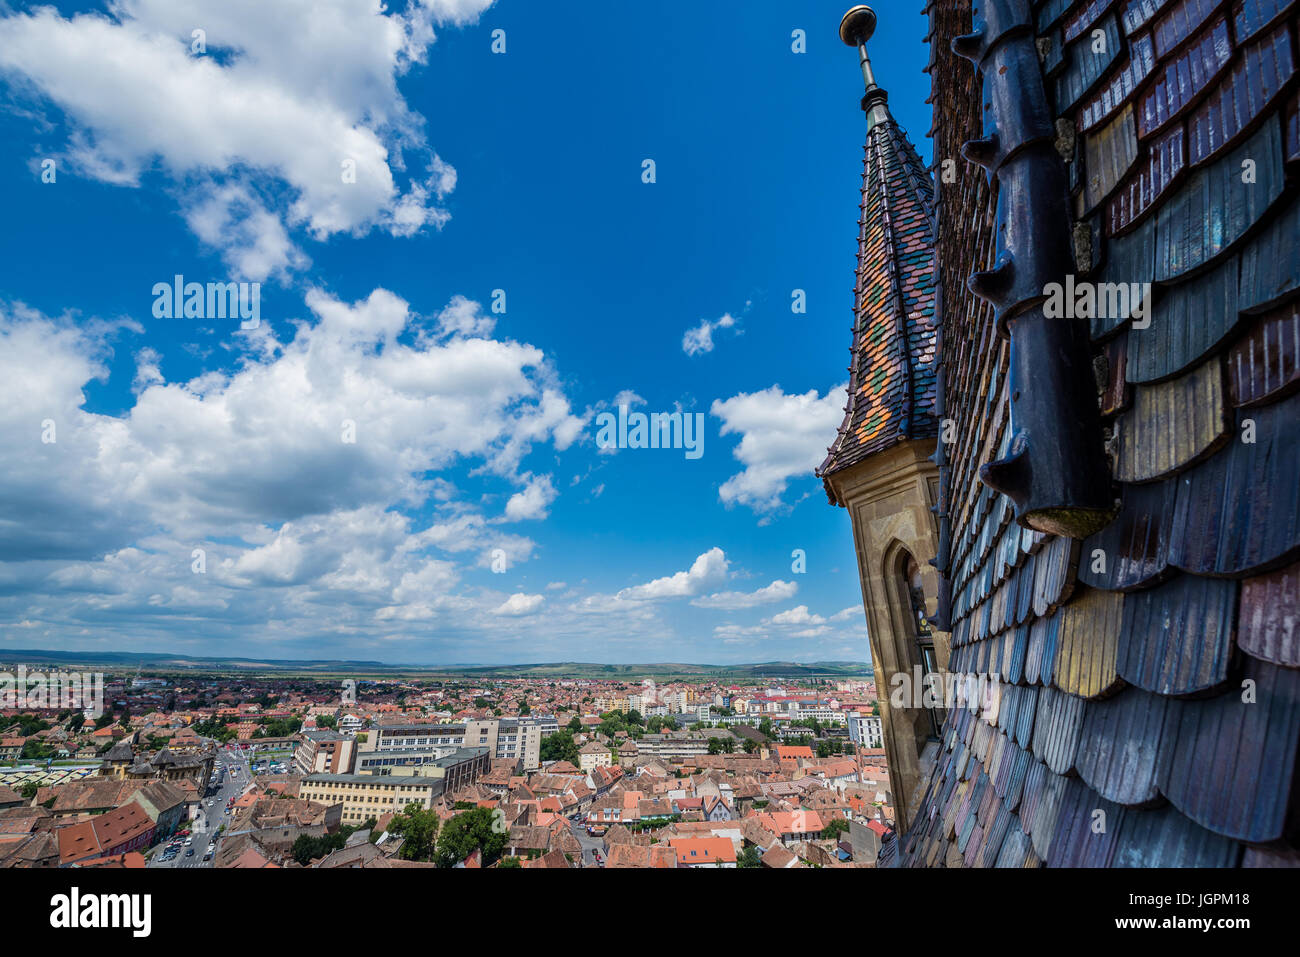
{"x":364,"y":796}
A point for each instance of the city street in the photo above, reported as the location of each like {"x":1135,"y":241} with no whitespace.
{"x":231,"y":767}
{"x":589,"y":844}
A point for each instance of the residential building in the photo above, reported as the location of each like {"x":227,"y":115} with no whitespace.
{"x":325,"y":752}
{"x":593,"y":754}
{"x":704,"y":851}
{"x":865,"y":730}
{"x":365,"y":796}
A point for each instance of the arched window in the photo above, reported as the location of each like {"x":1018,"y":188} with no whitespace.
{"x":921,"y":635}
{"x":914,"y":643}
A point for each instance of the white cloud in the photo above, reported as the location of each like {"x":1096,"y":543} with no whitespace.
{"x":285,"y":95}
{"x":733,"y":600}
{"x":852,"y":613}
{"x":782,"y":437}
{"x":533,"y":502}
{"x":799,"y":615}
{"x":700,"y":339}
{"x":264,"y":445}
{"x":520,"y":605}
{"x":706,"y":569}
{"x":464,"y":317}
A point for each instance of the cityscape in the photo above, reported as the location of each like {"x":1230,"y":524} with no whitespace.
{"x":184,"y":771}
{"x":427,"y":443}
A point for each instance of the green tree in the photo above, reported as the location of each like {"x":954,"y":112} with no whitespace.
{"x":749,"y":857}
{"x":510,"y":862}
{"x":419,"y":829}
{"x":523,"y":707}
{"x":750,"y":745}
{"x":28,"y":790}
{"x":559,"y":747}
{"x":468,"y":831}
{"x":834,"y":829}
{"x":715,"y":746}
{"x":37,"y":750}
{"x":575,"y":724}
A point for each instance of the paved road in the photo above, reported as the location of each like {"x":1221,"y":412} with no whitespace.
{"x":234,"y":782}
{"x":589,"y":844}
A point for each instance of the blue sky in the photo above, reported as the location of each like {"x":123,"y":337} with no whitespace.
{"x":474,"y":430}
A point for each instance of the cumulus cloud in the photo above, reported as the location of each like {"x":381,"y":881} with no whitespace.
{"x":464,"y":317}
{"x":707,"y":569}
{"x":781,"y":437}
{"x":533,"y":502}
{"x":299,"y":96}
{"x":799,"y":615}
{"x":520,"y":605}
{"x":325,"y":421}
{"x":733,"y":600}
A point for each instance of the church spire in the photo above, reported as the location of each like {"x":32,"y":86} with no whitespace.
{"x":892,"y":375}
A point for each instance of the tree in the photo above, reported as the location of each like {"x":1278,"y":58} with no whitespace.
{"x":28,"y":790}
{"x":575,"y":724}
{"x":523,"y":707}
{"x":715,"y":746}
{"x":469,"y":831}
{"x":559,"y":747}
{"x":750,"y":745}
{"x":510,"y":862}
{"x":419,"y":829}
{"x":37,"y":750}
{"x":749,"y":857}
{"x":834,"y":829}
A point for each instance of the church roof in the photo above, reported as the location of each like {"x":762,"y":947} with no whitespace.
{"x":891,"y":393}
{"x":1150,"y":670}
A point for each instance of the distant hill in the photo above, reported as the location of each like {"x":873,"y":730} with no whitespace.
{"x":155,"y":662}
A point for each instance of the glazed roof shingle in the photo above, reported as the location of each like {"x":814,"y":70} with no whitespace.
{"x":891,"y":393}
{"x":1152,"y":670}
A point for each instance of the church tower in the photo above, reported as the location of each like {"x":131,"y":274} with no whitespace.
{"x":883,"y":466}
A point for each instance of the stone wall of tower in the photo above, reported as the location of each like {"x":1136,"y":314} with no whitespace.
{"x":889,"y":497}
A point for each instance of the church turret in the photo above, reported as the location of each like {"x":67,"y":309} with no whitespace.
{"x":881,"y":466}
